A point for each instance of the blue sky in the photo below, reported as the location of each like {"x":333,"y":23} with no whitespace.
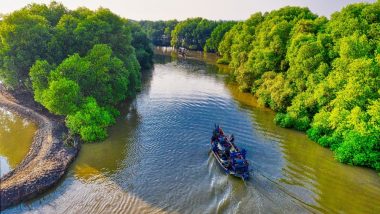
{"x":180,"y":9}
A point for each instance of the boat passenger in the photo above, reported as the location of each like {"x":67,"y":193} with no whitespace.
{"x":213,"y":138}
{"x":227,"y":153}
{"x":221,"y":140}
{"x":227,"y":145}
{"x":221,"y":132}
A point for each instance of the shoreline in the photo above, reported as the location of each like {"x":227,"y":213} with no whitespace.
{"x":48,"y":158}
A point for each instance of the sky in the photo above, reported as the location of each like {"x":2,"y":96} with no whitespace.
{"x":182,"y":9}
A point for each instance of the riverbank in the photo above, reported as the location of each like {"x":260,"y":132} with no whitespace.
{"x":212,"y":58}
{"x":48,"y":157}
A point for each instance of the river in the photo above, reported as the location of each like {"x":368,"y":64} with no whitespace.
{"x":157,"y":160}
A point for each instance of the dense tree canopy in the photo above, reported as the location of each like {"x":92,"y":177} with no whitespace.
{"x":216,"y":36}
{"x":91,"y":121}
{"x":83,"y":84}
{"x":159,"y":32}
{"x":229,"y":40}
{"x":24,"y":39}
{"x":78,"y":63}
{"x":142,"y":45}
{"x":192,"y":33}
{"x":322,"y":76}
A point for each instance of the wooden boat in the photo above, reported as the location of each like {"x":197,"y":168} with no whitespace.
{"x":228,"y":155}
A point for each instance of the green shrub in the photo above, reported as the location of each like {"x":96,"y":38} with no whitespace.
{"x":358,"y":149}
{"x":302,"y":124}
{"x":90,"y":122}
{"x":284,"y":120}
{"x":223,"y":61}
{"x":62,"y":97}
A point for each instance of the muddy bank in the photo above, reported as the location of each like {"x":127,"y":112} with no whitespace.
{"x":48,"y":157}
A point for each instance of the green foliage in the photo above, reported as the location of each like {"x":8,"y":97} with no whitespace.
{"x":52,"y":33}
{"x":217,"y":35}
{"x":284,"y":120}
{"x":322,"y":76}
{"x":62,"y":97}
{"x":99,"y":74}
{"x":23,"y":39}
{"x":99,"y":79}
{"x":269,"y":44}
{"x":142,"y":45}
{"x":229,"y":39}
{"x":192,"y":33}
{"x":39,"y":74}
{"x":78,"y":63}
{"x":223,"y":61}
{"x":359,"y":149}
{"x":274,"y":91}
{"x":91,"y":121}
{"x":287,"y":121}
{"x":159,"y":32}
{"x":52,"y":12}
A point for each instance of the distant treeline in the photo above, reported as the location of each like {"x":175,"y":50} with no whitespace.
{"x":159,"y":32}
{"x":78,"y":63}
{"x":193,"y":34}
{"x":321,"y":76}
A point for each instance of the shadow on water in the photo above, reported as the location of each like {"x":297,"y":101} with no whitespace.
{"x":157,"y":158}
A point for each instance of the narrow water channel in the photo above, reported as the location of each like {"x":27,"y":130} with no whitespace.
{"x":16,"y":135}
{"x":157,"y":158}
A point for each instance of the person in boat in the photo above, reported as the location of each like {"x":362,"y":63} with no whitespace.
{"x":226,"y":144}
{"x":214,"y":137}
{"x":216,"y":132}
{"x":221,"y":140}
{"x":214,"y":148}
{"x":221,"y":131}
{"x":227,"y":152}
{"x":232,"y":139}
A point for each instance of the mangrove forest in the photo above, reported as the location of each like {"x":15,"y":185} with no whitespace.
{"x":321,"y":75}
{"x":143,"y":108}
